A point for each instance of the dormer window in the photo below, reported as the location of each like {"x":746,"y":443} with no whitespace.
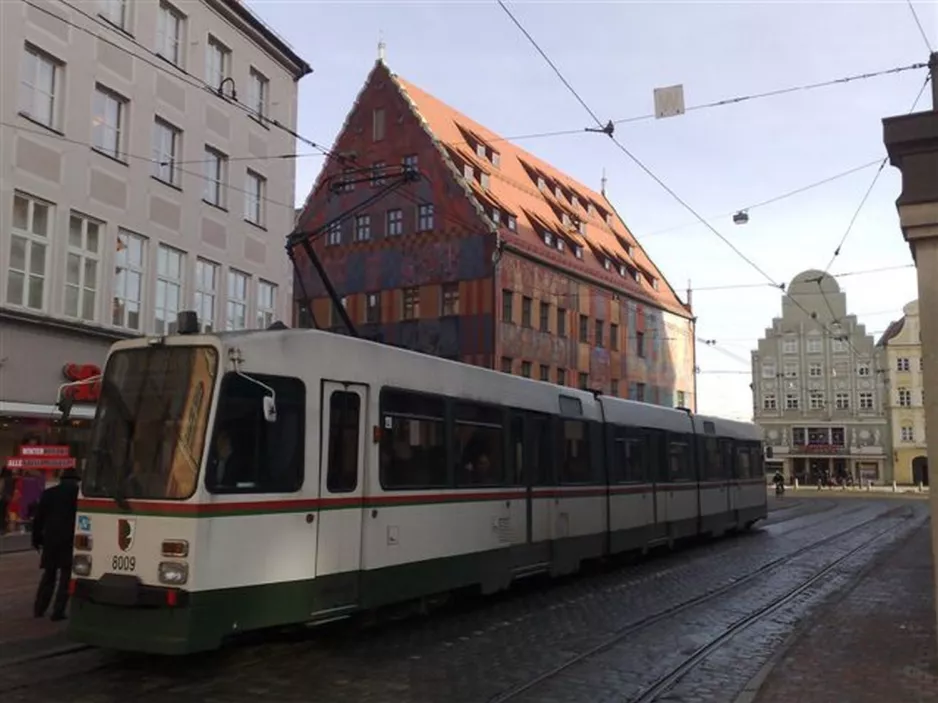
{"x":609,"y":219}
{"x":654,"y":283}
{"x":512,"y":223}
{"x":560,"y":245}
{"x":496,"y":158}
{"x":558,"y":193}
{"x":590,"y":209}
{"x":578,"y":252}
{"x":622,"y":270}
{"x":581,"y":227}
{"x":607,"y":264}
{"x":496,"y":216}
{"x":468,"y":172}
{"x":484,"y":179}
{"x":574,"y":201}
{"x":480,"y":150}
{"x":541,"y":183}
{"x":636,"y":276}
{"x":565,"y":218}
{"x":548,"y":239}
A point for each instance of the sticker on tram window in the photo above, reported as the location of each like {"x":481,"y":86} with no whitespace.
{"x":388,"y":422}
{"x":84,"y":523}
{"x":123,"y":563}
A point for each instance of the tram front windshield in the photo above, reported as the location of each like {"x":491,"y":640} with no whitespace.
{"x":150,"y":425}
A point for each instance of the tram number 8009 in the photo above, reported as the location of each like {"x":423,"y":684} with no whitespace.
{"x":119,"y":563}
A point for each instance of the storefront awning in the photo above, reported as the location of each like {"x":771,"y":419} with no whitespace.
{"x":46,"y":411}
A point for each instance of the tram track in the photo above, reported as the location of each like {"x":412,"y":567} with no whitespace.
{"x":644,"y":623}
{"x":85,"y":659}
{"x":666,"y":683}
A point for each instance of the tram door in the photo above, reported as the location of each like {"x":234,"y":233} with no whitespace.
{"x":341,"y":490}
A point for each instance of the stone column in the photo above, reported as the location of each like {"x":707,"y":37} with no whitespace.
{"x":912,"y":143}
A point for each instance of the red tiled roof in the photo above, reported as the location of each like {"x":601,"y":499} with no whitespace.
{"x":512,"y":186}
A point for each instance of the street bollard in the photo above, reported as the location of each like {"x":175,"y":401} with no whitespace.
{"x":893,"y":486}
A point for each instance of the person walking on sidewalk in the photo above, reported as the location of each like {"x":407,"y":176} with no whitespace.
{"x":53,"y":533}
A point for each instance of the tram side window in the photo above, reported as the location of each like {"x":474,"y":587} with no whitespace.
{"x":711,"y":459}
{"x":517,"y":443}
{"x":344,"y":416}
{"x":726,"y":459}
{"x":249,"y":454}
{"x":413,"y":441}
{"x":679,"y":465}
{"x":543,"y":451}
{"x":743,"y":462}
{"x":631,"y":457}
{"x":576,"y":453}
{"x":479,"y":446}
{"x":757,"y":467}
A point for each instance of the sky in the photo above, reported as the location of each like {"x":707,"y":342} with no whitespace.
{"x":718,"y":160}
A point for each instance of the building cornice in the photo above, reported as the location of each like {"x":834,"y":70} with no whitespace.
{"x":244,"y":19}
{"x":64,"y":325}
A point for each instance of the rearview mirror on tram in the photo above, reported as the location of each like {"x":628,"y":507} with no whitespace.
{"x":270,"y":408}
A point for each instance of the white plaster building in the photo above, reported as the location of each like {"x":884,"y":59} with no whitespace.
{"x":818,"y":385}
{"x":137,"y":178}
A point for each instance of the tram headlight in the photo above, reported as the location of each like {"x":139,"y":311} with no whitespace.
{"x":81,"y":564}
{"x":173,"y":573}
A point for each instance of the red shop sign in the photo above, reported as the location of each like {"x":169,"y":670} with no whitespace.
{"x":84,"y":392}
{"x":45,"y":457}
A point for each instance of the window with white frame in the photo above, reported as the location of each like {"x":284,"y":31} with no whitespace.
{"x":791,"y":370}
{"x":334,"y":235}
{"x":114,"y":11}
{"x":409,"y":163}
{"x":216,"y":177}
{"x":866,"y":400}
{"x":842,"y":401}
{"x":170,"y":30}
{"x":129,"y":266}
{"x":905,"y":397}
{"x":108,"y":122}
{"x":256,"y":191}
{"x":816,"y":400}
{"x":29,"y":252}
{"x":863,"y":369}
{"x":395,"y":222}
{"x":907,"y":433}
{"x":217,"y":62}
{"x":790,"y":345}
{"x":167,"y":146}
{"x":425,"y":217}
{"x":839,"y":345}
{"x":237,"y":300}
{"x":815,"y":370}
{"x":258,"y":93}
{"x":791,"y":401}
{"x":814,"y":345}
{"x":769,"y":402}
{"x":81,"y":266}
{"x":266,"y":304}
{"x":902,"y":364}
{"x":40,"y":84}
{"x":169,"y":281}
{"x":362,"y":228}
{"x":206,"y":290}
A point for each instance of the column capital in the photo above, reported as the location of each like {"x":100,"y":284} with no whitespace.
{"x":912,"y":144}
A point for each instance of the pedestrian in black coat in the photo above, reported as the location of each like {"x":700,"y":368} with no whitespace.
{"x":54,"y":533}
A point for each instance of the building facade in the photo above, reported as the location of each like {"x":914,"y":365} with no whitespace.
{"x":905,"y":397}
{"x":135,"y":166}
{"x":493,"y":257}
{"x":818,"y":387}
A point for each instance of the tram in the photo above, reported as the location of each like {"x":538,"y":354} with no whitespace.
{"x":259,"y":479}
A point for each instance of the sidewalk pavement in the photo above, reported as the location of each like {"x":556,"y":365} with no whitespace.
{"x":22,"y":635}
{"x":15,"y":542}
{"x":875,"y":644}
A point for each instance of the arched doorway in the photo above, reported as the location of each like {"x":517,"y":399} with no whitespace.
{"x":920,"y":470}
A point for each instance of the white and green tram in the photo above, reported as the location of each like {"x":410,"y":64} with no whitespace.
{"x":249,"y":480}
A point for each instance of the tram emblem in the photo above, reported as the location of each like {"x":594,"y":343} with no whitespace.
{"x":125,"y":533}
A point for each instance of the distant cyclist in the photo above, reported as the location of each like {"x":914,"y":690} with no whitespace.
{"x":779,"y":480}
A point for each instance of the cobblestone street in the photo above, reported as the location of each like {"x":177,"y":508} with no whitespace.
{"x":695,"y":626}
